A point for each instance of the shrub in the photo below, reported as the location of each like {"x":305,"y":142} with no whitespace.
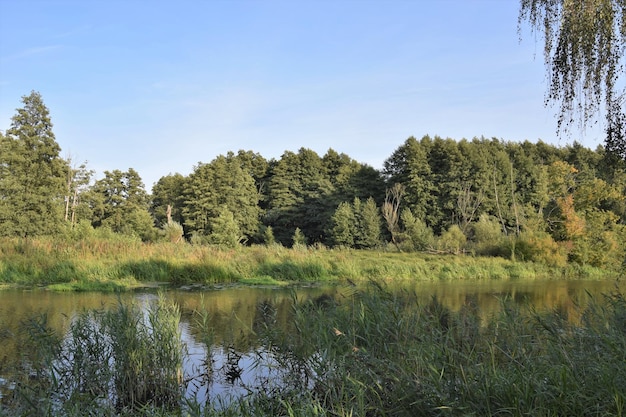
{"x":452,"y":240}
{"x":417,"y":235}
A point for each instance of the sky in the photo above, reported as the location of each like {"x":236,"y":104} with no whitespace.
{"x":160,"y":86}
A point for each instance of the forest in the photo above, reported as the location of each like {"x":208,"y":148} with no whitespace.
{"x":528,"y":201}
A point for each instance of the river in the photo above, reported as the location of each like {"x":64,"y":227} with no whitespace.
{"x":234,"y":311}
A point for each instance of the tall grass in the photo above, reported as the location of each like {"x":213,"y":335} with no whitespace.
{"x":115,"y":264}
{"x":385,"y":353}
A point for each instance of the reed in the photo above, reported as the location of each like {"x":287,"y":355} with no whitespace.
{"x":365,"y":352}
{"x":122,"y":361}
{"x":117,"y":263}
{"x":385,"y":353}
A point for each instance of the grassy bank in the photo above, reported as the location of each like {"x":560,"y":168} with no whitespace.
{"x":369,"y":353}
{"x":119,"y":264}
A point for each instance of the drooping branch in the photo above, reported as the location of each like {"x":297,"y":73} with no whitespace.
{"x":584,"y":44}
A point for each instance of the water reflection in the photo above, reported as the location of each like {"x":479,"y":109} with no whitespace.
{"x":224,"y":356}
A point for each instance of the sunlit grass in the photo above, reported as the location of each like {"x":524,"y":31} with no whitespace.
{"x":102,"y":264}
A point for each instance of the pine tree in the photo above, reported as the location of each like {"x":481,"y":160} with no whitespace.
{"x":369,"y":224}
{"x":32,"y":174}
{"x":343,"y":226}
{"x":224,"y":229}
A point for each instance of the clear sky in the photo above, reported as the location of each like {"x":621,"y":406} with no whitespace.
{"x":162,"y":85}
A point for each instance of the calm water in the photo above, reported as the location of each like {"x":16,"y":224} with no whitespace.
{"x":234,"y":313}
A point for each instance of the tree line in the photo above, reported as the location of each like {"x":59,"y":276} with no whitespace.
{"x":530,"y":201}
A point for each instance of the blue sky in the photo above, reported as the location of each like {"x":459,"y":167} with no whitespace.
{"x":162,"y":85}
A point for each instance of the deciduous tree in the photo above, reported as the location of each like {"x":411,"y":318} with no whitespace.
{"x":120,"y":202}
{"x":221,"y":185}
{"x":584,"y":42}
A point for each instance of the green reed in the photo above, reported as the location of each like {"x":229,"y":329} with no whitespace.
{"x":383,"y":353}
{"x":364,"y":352}
{"x":114,"y":362}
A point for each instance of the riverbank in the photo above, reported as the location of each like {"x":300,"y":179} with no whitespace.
{"x":124,"y":264}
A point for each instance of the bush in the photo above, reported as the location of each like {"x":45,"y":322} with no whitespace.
{"x":540,"y":247}
{"x":487,"y":236}
{"x":452,"y":240}
{"x":417,"y":235}
{"x":173,"y":232}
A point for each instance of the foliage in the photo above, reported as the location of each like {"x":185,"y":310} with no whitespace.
{"x":416,"y":235}
{"x":173,"y":232}
{"x":298,"y":239}
{"x":540,"y":247}
{"x":168,"y":199}
{"x":584,"y":45}
{"x":356,"y":225}
{"x":343,"y":225}
{"x":120,"y":202}
{"x":368,"y":224}
{"x":224,"y":229}
{"x":300,"y":196}
{"x":220,"y":186}
{"x":452,"y":240}
{"x":32,"y":174}
{"x":569,"y":201}
{"x":268,"y":236}
{"x":487,"y":236}
{"x":77,"y":186}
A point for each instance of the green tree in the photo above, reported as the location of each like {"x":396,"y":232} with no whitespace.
{"x":452,"y":240}
{"x":298,"y":239}
{"x":416,"y":234}
{"x":120,"y":202}
{"x":168,"y":199}
{"x":351,"y":178}
{"x":584,"y":42}
{"x":32,"y":174}
{"x":221,"y":183}
{"x":224,"y":229}
{"x":531,"y":178}
{"x":449,"y":170}
{"x":300,"y":195}
{"x":268,"y":236}
{"x":343,"y":227}
{"x":487,"y":235}
{"x":356,"y":224}
{"x":368,"y":234}
{"x":258,"y":168}
{"x":77,"y":185}
{"x":408,"y":165}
